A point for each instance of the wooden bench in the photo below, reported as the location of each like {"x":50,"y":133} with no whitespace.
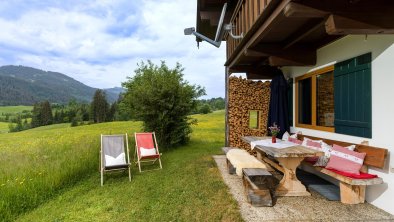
{"x":352,"y":191}
{"x":259,"y":184}
{"x":259,"y":187}
{"x":230,"y":167}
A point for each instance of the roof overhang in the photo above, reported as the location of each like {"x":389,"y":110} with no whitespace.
{"x":289,"y":32}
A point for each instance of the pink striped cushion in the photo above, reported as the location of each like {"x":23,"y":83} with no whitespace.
{"x":294,"y":140}
{"x":313,"y":145}
{"x":345,"y":160}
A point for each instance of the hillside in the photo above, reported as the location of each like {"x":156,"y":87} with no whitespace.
{"x":20,"y":85}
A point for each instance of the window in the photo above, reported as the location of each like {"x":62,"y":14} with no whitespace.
{"x":254,"y":119}
{"x":337,"y":98}
{"x":315,"y":100}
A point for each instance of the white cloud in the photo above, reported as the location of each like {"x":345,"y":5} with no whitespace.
{"x":100,"y":43}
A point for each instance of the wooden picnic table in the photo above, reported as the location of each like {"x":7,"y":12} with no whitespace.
{"x":289,"y":159}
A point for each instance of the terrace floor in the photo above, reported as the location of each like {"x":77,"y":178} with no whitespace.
{"x":312,"y":208}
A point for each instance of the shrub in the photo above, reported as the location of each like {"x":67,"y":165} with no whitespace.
{"x":162,"y":99}
{"x":205,"y":109}
{"x":74,"y":122}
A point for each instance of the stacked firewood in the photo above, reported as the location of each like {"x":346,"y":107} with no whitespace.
{"x":244,"y":96}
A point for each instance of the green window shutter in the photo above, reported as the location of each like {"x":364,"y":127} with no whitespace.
{"x":290,"y":100}
{"x":352,"y":96}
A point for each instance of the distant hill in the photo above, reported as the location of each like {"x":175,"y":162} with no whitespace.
{"x":114,"y":91}
{"x":20,"y":85}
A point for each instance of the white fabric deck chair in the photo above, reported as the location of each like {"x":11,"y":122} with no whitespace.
{"x":113,"y":153}
{"x":146,"y":149}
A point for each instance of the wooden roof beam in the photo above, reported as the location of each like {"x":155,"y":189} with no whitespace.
{"x":338,"y":25}
{"x":251,"y":68}
{"x":304,"y":31}
{"x":264,"y":72}
{"x":279,"y":61}
{"x":295,"y":10}
{"x":260,"y":75}
{"x":295,"y":55}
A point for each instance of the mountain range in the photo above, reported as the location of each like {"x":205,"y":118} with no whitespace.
{"x":21,"y":85}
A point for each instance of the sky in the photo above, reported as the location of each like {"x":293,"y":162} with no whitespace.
{"x":100,"y":42}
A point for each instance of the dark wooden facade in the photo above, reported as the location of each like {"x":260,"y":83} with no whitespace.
{"x":288,"y":32}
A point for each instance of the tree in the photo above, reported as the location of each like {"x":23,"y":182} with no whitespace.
{"x":122,"y":111}
{"x":26,"y":125}
{"x":18,"y":127}
{"x":99,"y":107}
{"x":41,"y":114}
{"x":111,"y":112}
{"x":162,"y":99}
{"x":46,"y":114}
{"x":36,"y":116}
{"x":56,"y":118}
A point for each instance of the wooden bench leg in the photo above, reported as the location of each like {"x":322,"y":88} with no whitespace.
{"x":352,"y":194}
{"x":230,"y":167}
{"x":257,"y":189}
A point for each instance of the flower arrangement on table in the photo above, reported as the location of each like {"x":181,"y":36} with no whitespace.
{"x":274,"y":129}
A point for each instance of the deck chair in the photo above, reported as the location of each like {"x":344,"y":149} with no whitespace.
{"x":146,"y":149}
{"x":114,"y":154}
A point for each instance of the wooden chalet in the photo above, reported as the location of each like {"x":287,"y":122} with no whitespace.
{"x":339,"y":56}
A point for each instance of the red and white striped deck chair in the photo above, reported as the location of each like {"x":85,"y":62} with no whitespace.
{"x":146,"y":149}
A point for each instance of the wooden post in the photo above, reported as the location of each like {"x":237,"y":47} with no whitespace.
{"x":352,"y":194}
{"x":227,"y":133}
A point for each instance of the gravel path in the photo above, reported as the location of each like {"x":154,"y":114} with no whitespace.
{"x":312,"y":208}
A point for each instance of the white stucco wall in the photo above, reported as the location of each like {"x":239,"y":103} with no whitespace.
{"x":382,"y":48}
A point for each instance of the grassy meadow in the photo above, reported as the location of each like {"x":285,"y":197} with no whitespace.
{"x":14,"y":109}
{"x":51,"y":174}
{"x":3,"y":127}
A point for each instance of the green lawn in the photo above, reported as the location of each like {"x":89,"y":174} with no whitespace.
{"x":51,"y":174}
{"x":14,"y":109}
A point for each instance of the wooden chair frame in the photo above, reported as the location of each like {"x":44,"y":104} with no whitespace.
{"x":138,"y":160}
{"x":102,"y":167}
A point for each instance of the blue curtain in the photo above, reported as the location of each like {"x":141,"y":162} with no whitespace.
{"x":278,"y":109}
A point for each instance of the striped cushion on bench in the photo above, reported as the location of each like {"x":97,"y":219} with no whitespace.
{"x":355,"y":176}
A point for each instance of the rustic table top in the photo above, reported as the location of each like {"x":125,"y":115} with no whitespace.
{"x":294,"y":151}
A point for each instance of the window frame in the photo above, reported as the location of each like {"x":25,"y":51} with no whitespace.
{"x":258,"y":118}
{"x":313,"y":75}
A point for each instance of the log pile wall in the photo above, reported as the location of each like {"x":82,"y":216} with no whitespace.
{"x":244,"y":96}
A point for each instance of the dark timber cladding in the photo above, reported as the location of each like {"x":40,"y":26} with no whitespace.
{"x":288,"y":32}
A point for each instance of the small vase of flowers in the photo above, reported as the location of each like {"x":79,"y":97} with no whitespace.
{"x":274,"y":129}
